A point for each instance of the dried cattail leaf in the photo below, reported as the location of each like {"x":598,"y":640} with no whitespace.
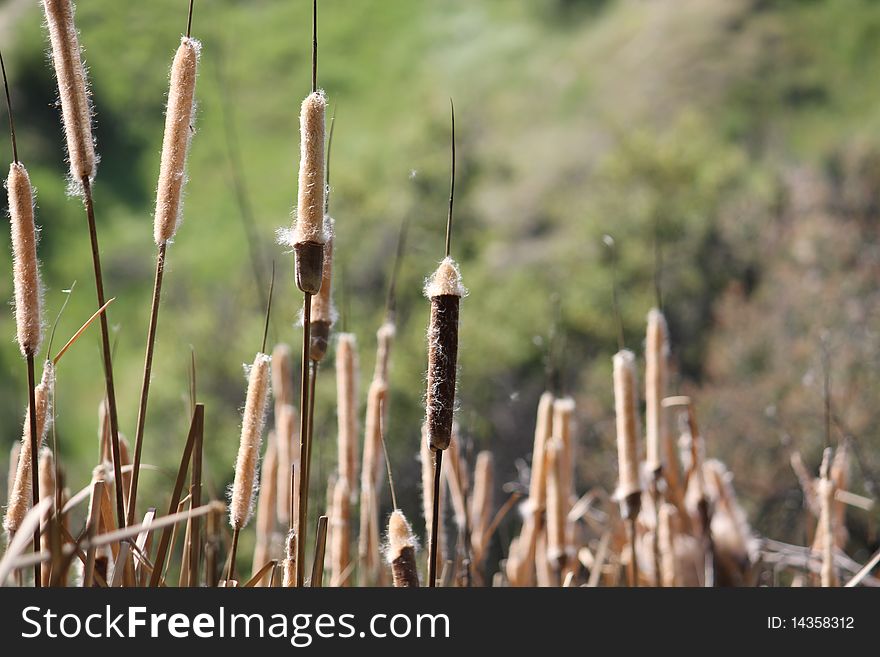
{"x":73,"y":89}
{"x":244,"y":485}
{"x":543,"y":430}
{"x":25,"y":266}
{"x":368,"y":539}
{"x":179,"y":120}
{"x":825,"y":530}
{"x":401,"y":551}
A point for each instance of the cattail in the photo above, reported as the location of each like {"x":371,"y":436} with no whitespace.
{"x":289,"y":563}
{"x":340,"y":536}
{"x":20,"y":496}
{"x":346,"y":394}
{"x":482,"y":501}
{"x":25,"y":267}
{"x":656,"y":353}
{"x":402,"y":552}
{"x":384,"y":339}
{"x":265,"y":522}
{"x":627,"y":426}
{"x":179,"y":119}
{"x":72,"y":88}
{"x":543,"y":429}
{"x":241,"y":502}
{"x":323,"y":314}
{"x":563,"y":414}
{"x":556,"y":508}
{"x":47,"y":491}
{"x":445,"y":291}
{"x":368,"y":538}
{"x":286,"y":439}
{"x":453,"y":475}
{"x":826,"y":522}
{"x":282,"y":375}
{"x":14,"y":452}
{"x":308,"y":232}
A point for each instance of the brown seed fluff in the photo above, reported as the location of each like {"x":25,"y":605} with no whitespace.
{"x":445,"y":290}
{"x":402,"y":552}
{"x":287,"y":440}
{"x":309,"y":225}
{"x":340,"y":536}
{"x":323,"y":314}
{"x":656,"y":354}
{"x":25,"y":267}
{"x":242,"y":496}
{"x":179,"y":119}
{"x":346,"y":400}
{"x":627,"y":423}
{"x":20,"y":496}
{"x":72,"y":88}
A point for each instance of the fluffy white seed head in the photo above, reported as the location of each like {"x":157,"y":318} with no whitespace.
{"x":25,"y":266}
{"x":446,"y":280}
{"x":309,"y":226}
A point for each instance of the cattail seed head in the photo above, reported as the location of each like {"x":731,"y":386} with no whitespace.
{"x":656,"y":354}
{"x":20,"y":496}
{"x":244,"y":485}
{"x":340,"y":534}
{"x":401,"y":553}
{"x":25,"y":267}
{"x":825,"y":490}
{"x":384,"y":340}
{"x":310,"y":204}
{"x":346,"y":394}
{"x":47,"y":474}
{"x":73,"y":89}
{"x":286,"y":439}
{"x":289,"y":563}
{"x":14,"y":452}
{"x":445,"y":290}
{"x":179,"y":119}
{"x":323,"y":314}
{"x":265,"y":521}
{"x":627,"y":424}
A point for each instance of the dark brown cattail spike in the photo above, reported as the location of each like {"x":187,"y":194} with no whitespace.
{"x":402,"y":552}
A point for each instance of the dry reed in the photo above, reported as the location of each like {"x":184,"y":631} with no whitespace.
{"x":340,"y":534}
{"x":368,"y":536}
{"x":323,"y":314}
{"x":265,"y":521}
{"x":482,"y":502}
{"x":825,"y":530}
{"x":625,"y":403}
{"x":346,"y":400}
{"x":656,"y":354}
{"x":286,"y":439}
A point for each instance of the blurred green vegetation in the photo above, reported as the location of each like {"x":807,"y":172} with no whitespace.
{"x":683,"y":120}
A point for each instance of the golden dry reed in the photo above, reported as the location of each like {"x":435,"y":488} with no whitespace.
{"x":340,"y":534}
{"x":543,"y":430}
{"x":73,"y":89}
{"x":282,"y":375}
{"x":265,"y":521}
{"x":825,"y":489}
{"x":627,"y":424}
{"x":323,"y":314}
{"x":14,"y":452}
{"x":563,"y":418}
{"x":445,"y":290}
{"x":25,"y":266}
{"x":401,"y":552}
{"x":20,"y":496}
{"x":384,"y":340}
{"x":179,"y":119}
{"x":656,"y":354}
{"x":346,"y":396}
{"x":242,"y":496}
{"x":309,"y":225}
{"x":371,"y":467}
{"x":556,"y":509}
{"x":426,"y":455}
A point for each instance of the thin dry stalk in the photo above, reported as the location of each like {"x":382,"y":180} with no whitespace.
{"x":825,"y":487}
{"x":556,"y":510}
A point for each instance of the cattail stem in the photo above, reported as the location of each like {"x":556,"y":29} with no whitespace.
{"x":305,"y":440}
{"x":435,"y":518}
{"x":145,"y":382}
{"x":230,"y":571}
{"x":317,"y":580}
{"x":35,"y":455}
{"x":105,"y":347}
{"x":633,"y":563}
{"x":196,"y":502}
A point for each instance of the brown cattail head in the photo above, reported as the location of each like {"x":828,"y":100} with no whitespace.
{"x":401,"y":553}
{"x":25,"y":267}
{"x":543,"y":429}
{"x":308,"y":235}
{"x":323,"y":314}
{"x":242,"y":495}
{"x":179,"y":119}
{"x":627,"y":426}
{"x":346,"y":395}
{"x":445,"y":290}
{"x":384,"y":340}
{"x":73,"y":89}
{"x":656,"y":354}
{"x":340,"y":534}
{"x":20,"y":497}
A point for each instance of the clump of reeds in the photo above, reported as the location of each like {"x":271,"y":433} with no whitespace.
{"x":401,"y":551}
{"x":73,"y":88}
